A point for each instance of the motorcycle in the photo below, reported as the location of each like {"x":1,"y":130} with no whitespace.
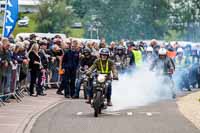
{"x":83,"y":82}
{"x":166,"y":78}
{"x":119,"y":66}
{"x":100,"y":85}
{"x":121,"y":63}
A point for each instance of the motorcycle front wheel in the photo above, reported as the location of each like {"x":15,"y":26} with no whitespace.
{"x":97,"y":104}
{"x":85,"y":90}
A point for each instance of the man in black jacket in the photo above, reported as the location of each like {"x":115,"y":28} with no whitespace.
{"x":69,"y":65}
{"x":86,"y":62}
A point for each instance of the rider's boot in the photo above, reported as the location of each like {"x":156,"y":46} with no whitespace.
{"x":89,"y":100}
{"x":109,"y":103}
{"x":174,"y":96}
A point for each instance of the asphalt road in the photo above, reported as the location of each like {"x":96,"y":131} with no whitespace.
{"x":77,"y":117}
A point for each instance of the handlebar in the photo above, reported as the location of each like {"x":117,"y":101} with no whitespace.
{"x":170,"y":72}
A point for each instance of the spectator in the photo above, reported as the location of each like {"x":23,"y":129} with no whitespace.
{"x":69,"y":65}
{"x":35,"y":66}
{"x":6,"y":67}
{"x":19,"y":55}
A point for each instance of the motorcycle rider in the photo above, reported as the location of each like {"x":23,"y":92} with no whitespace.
{"x":86,"y":62}
{"x":121,"y":57}
{"x":180,"y":59}
{"x":104,"y":65}
{"x":194,"y":54}
{"x":154,"y":44}
{"x":136,"y":57}
{"x":193,"y":75}
{"x":149,"y":55}
{"x":182,"y":71}
{"x":112,"y":49}
{"x":171,"y":53}
{"x":164,"y":65}
{"x":163,"y":62}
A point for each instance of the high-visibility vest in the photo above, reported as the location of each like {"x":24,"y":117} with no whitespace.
{"x":185,"y":62}
{"x":104,"y":71}
{"x":180,"y":63}
{"x":138,"y":57}
{"x":188,"y":61}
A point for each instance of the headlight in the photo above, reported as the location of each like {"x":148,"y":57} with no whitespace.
{"x":118,"y":64}
{"x":101,"y":78}
{"x":83,"y":76}
{"x":94,"y":83}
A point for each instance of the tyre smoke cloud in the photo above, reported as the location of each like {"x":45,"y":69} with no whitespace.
{"x":137,"y":89}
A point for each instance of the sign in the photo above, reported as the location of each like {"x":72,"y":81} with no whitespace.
{"x":10,"y":17}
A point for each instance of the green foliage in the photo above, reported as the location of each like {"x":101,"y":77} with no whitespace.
{"x":187,"y":18}
{"x":80,"y":8}
{"x":31,"y":27}
{"x":137,"y":19}
{"x":154,"y":15}
{"x":117,"y":19}
{"x":55,"y":16}
{"x":172,"y":35}
{"x":78,"y":33}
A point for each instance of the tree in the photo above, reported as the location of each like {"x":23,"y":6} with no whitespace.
{"x":154,"y":15}
{"x":55,"y":16}
{"x":116,"y":17}
{"x":186,"y":18}
{"x":138,"y":19}
{"x":80,"y":8}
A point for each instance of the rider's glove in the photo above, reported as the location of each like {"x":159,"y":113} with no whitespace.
{"x":115,"y":78}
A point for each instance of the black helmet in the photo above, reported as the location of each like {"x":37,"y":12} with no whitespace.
{"x":120,"y":47}
{"x":188,"y":46}
{"x":104,"y":51}
{"x":43,"y":42}
{"x":170,"y":48}
{"x":86,"y":50}
{"x":131,"y":44}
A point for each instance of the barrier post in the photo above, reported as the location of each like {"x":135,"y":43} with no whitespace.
{"x":1,"y":88}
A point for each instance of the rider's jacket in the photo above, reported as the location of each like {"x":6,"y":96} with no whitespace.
{"x":121,"y":58}
{"x":162,"y":65}
{"x":104,"y":67}
{"x":87,"y":61}
{"x":136,"y":58}
{"x":180,"y":62}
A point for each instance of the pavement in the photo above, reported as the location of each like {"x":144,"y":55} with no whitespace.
{"x":15,"y":117}
{"x":189,"y":106}
{"x":55,"y":114}
{"x":74,"y":116}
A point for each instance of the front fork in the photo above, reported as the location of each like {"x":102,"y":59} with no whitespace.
{"x":171,"y":86}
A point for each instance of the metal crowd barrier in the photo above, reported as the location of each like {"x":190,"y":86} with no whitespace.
{"x":9,"y":80}
{"x":25,"y":82}
{"x":52,"y":77}
{"x":12,"y":86}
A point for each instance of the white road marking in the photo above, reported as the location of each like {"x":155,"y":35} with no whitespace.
{"x":79,"y":113}
{"x":149,"y":114}
{"x":129,"y":113}
{"x":112,"y":113}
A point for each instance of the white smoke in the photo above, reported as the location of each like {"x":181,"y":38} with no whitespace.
{"x":138,"y":89}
